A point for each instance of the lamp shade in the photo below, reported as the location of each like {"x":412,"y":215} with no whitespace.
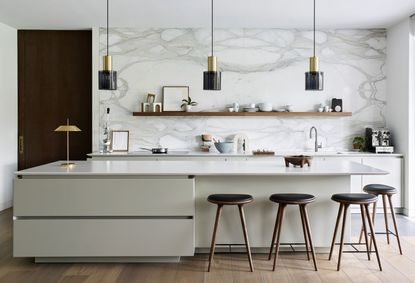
{"x":67,"y":128}
{"x":314,"y":80}
{"x":107,"y":80}
{"x":211,"y":80}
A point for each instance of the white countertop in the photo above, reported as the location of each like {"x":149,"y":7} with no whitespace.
{"x":183,"y":153}
{"x":201,"y":168}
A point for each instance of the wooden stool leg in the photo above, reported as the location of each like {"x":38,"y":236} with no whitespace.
{"x":277,"y":246}
{"x":362,"y":213}
{"x":307,"y":225}
{"x":394,"y":223}
{"x":346,"y":206}
{"x":361,"y":234}
{"x":275,"y":233}
{"x":373,"y":222}
{"x":303,"y":224}
{"x":335,"y":230}
{"x":385,"y":215}
{"x":212,"y":246}
{"x":372,"y":231}
{"x":248,"y":249}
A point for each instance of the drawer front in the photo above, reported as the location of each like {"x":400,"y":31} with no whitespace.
{"x":104,"y":197}
{"x":103,"y":237}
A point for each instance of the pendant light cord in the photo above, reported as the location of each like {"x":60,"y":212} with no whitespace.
{"x":108,"y":24}
{"x":314,"y":29}
{"x":212,"y":27}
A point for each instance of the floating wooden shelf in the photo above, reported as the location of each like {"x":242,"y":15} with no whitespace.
{"x":250,"y":114}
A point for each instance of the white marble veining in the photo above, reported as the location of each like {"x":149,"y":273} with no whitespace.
{"x":202,"y":168}
{"x":258,"y":65}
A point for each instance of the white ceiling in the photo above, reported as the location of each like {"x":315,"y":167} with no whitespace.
{"x":75,"y":14}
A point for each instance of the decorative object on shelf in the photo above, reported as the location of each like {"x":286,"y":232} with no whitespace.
{"x":314,"y":78}
{"x":298,"y":160}
{"x":212,"y":78}
{"x":107,"y":77}
{"x":337,"y":105}
{"x":230,"y":109}
{"x":187,"y":104}
{"x":265,"y":107}
{"x":235,"y":106}
{"x":289,"y":108}
{"x":107,"y":138}
{"x":358,"y":143}
{"x":263,"y":152}
{"x":67,"y":128}
{"x":120,"y":140}
{"x":173,"y":97}
{"x":150,"y":105}
{"x":224,"y":147}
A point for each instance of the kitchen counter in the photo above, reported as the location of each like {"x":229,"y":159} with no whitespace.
{"x":201,"y":168}
{"x":183,"y":153}
{"x":133,"y":210}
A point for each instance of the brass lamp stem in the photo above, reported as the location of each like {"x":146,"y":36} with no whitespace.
{"x":212,"y":67}
{"x":313,"y":64}
{"x":107,"y":63}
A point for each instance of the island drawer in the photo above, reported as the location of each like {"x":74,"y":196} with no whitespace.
{"x":104,"y":197}
{"x":103,"y":237}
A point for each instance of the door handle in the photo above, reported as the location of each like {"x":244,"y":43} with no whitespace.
{"x":21,"y":145}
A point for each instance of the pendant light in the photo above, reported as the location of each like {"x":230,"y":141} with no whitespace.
{"x":212,"y":78}
{"x":314,"y":79}
{"x":107,"y":77}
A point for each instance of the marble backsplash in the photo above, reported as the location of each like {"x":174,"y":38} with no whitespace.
{"x":258,"y":65}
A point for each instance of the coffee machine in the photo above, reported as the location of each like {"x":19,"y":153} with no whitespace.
{"x":378,"y":140}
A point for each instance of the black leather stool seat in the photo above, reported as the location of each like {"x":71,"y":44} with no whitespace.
{"x":291,"y":198}
{"x":230,"y":198}
{"x":354,"y":198}
{"x":378,"y":189}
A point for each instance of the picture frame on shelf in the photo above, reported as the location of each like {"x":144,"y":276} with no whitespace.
{"x":120,"y":140}
{"x":173,"y":97}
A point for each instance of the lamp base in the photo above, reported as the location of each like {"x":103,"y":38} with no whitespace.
{"x":67,"y":164}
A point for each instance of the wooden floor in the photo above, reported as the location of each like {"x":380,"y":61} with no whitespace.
{"x":226,"y":268}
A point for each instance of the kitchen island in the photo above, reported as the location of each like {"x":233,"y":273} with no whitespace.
{"x":157,"y":210}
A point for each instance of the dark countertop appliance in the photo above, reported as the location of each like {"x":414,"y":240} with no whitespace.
{"x":378,"y":140}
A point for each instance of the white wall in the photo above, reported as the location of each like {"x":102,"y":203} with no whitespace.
{"x":8,"y":112}
{"x":400,"y":100}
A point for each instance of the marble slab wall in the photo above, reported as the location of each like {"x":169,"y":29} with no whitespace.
{"x":258,"y":65}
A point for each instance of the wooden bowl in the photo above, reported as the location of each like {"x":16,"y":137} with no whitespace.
{"x":298,"y":160}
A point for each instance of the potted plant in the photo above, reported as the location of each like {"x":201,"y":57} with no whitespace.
{"x":358,"y":143}
{"x":188,"y":103}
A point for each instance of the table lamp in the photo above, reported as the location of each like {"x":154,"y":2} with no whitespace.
{"x":67,"y":128}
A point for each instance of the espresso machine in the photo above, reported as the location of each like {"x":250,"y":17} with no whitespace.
{"x":378,"y":140}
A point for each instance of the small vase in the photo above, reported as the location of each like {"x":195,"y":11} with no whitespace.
{"x":188,"y":108}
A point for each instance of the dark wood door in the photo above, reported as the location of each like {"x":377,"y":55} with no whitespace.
{"x":55,"y":83}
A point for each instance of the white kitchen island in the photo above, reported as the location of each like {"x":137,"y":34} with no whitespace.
{"x":157,"y":210}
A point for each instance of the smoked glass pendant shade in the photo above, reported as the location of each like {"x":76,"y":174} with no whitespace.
{"x":211,"y":80}
{"x":107,"y":80}
{"x":314,"y":80}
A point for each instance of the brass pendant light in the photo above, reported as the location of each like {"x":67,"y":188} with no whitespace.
{"x":212,"y":78}
{"x":314,"y":79}
{"x":107,"y":77}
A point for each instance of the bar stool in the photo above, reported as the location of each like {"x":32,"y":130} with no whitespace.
{"x":384,"y":191}
{"x":230,"y":199}
{"x":345,"y":201}
{"x":292,"y":199}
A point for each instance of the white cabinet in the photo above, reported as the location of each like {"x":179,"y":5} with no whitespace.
{"x":394,"y":166}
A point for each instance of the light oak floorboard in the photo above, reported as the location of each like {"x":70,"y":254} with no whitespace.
{"x":291,"y":267}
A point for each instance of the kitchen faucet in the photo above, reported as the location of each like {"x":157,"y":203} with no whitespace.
{"x":316,"y":145}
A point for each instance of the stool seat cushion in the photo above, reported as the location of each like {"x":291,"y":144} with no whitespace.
{"x":230,"y":198}
{"x":354,"y":198}
{"x":291,"y":198}
{"x":379,"y":189}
